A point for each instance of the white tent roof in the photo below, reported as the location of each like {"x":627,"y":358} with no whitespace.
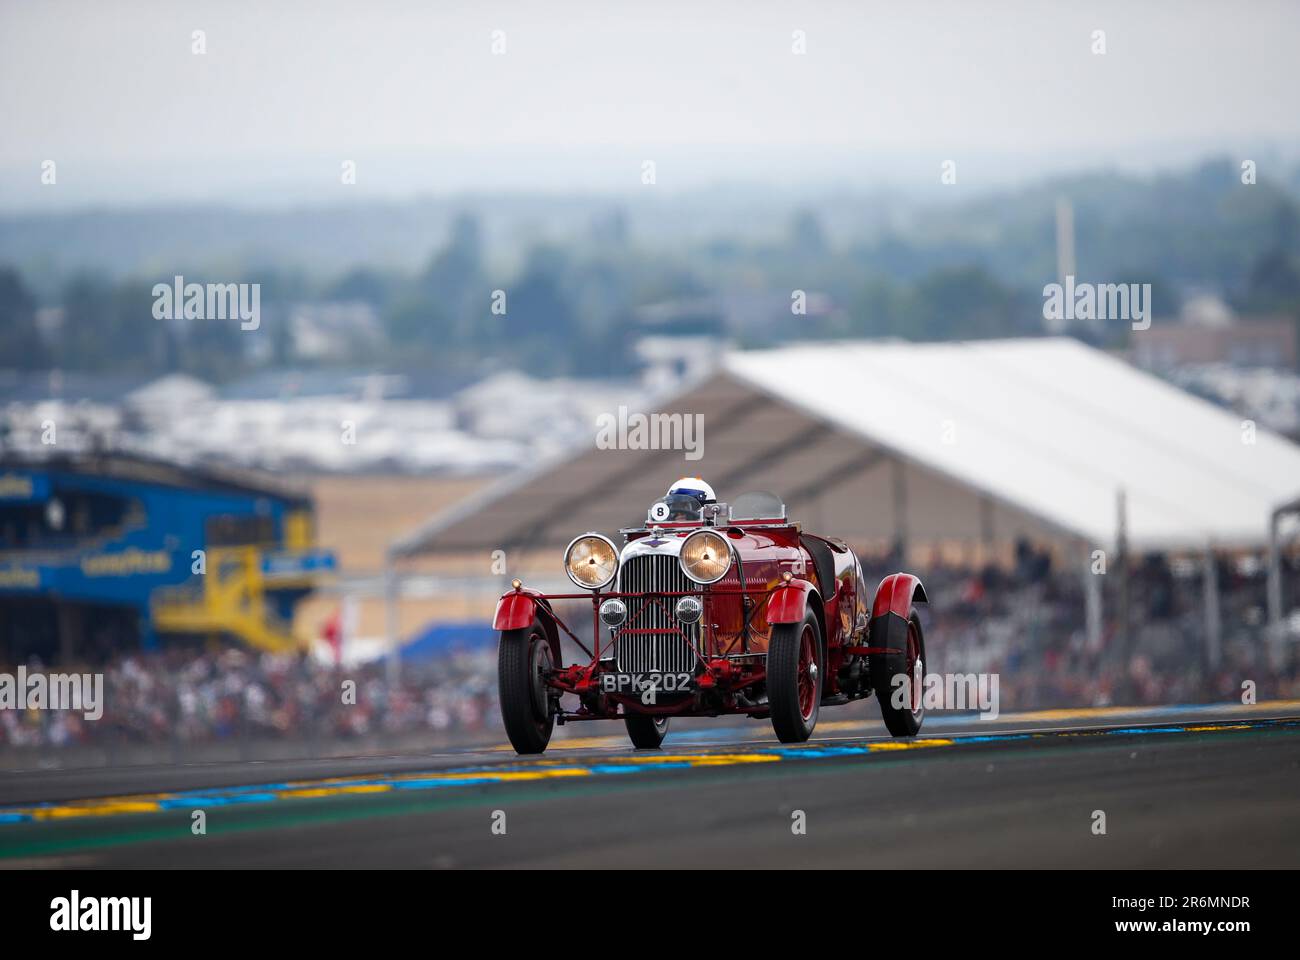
{"x":173,"y":390}
{"x":1050,"y":425}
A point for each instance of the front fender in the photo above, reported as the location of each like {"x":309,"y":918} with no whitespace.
{"x":515,"y":610}
{"x":789,"y":602}
{"x":896,"y":594}
{"x":518,"y":608}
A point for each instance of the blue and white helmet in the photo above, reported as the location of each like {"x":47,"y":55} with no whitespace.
{"x":693,"y":487}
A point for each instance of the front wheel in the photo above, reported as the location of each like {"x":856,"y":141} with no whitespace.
{"x":794,"y":678}
{"x":523,"y":660}
{"x":646,"y":732}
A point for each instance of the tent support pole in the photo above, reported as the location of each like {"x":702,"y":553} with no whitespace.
{"x":392,"y":658}
{"x":1122,"y":637}
{"x":1092,"y":603}
{"x":1274,"y":575}
{"x":1213,"y":621}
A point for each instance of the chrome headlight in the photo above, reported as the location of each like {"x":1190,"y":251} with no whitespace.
{"x":591,"y":561}
{"x":706,"y":556}
{"x":613,"y":612}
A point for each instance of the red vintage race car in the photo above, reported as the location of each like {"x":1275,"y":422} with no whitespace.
{"x":711,"y":609}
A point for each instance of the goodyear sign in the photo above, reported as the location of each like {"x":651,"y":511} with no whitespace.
{"x":19,"y":577}
{"x":24,"y":487}
{"x":126,"y":563}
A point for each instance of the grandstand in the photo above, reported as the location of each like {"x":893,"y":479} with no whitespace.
{"x":105,"y":553}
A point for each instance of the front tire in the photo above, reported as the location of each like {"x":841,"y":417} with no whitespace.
{"x":645,"y":731}
{"x":794,"y":678}
{"x":523,"y":659}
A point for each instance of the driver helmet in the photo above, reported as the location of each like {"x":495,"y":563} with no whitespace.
{"x":693,"y":487}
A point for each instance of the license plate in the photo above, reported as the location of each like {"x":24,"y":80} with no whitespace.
{"x":642,"y":683}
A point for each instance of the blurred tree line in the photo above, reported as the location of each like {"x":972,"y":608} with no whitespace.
{"x":970,"y":270}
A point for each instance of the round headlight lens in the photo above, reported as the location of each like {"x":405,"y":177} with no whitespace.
{"x":688,"y":609}
{"x":613,"y":612}
{"x":591,"y":561}
{"x":706,"y":557}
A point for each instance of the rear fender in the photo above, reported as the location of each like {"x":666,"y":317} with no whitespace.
{"x":896,"y":594}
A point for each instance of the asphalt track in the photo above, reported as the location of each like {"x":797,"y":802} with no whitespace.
{"x":1207,"y":786}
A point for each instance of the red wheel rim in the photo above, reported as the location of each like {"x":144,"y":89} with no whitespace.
{"x":914,"y":665}
{"x":807,"y":674}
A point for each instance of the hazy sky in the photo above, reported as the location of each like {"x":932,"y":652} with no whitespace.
{"x":586,"y":90}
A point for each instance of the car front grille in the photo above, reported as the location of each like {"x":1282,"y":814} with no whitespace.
{"x":655,"y":652}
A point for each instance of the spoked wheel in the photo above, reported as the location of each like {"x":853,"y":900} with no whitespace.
{"x":523,"y":660}
{"x":794,"y":678}
{"x":903,"y":710}
{"x":915,"y":665}
{"x":647,"y":732}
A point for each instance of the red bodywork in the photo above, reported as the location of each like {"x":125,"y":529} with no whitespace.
{"x":777,"y":576}
{"x":789,"y":603}
{"x":516,"y":610}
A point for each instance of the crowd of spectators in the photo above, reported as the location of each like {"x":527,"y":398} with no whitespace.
{"x":1029,"y":626}
{"x":184,"y":696}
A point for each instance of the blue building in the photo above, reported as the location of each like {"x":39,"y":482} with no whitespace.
{"x":100,"y":553}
